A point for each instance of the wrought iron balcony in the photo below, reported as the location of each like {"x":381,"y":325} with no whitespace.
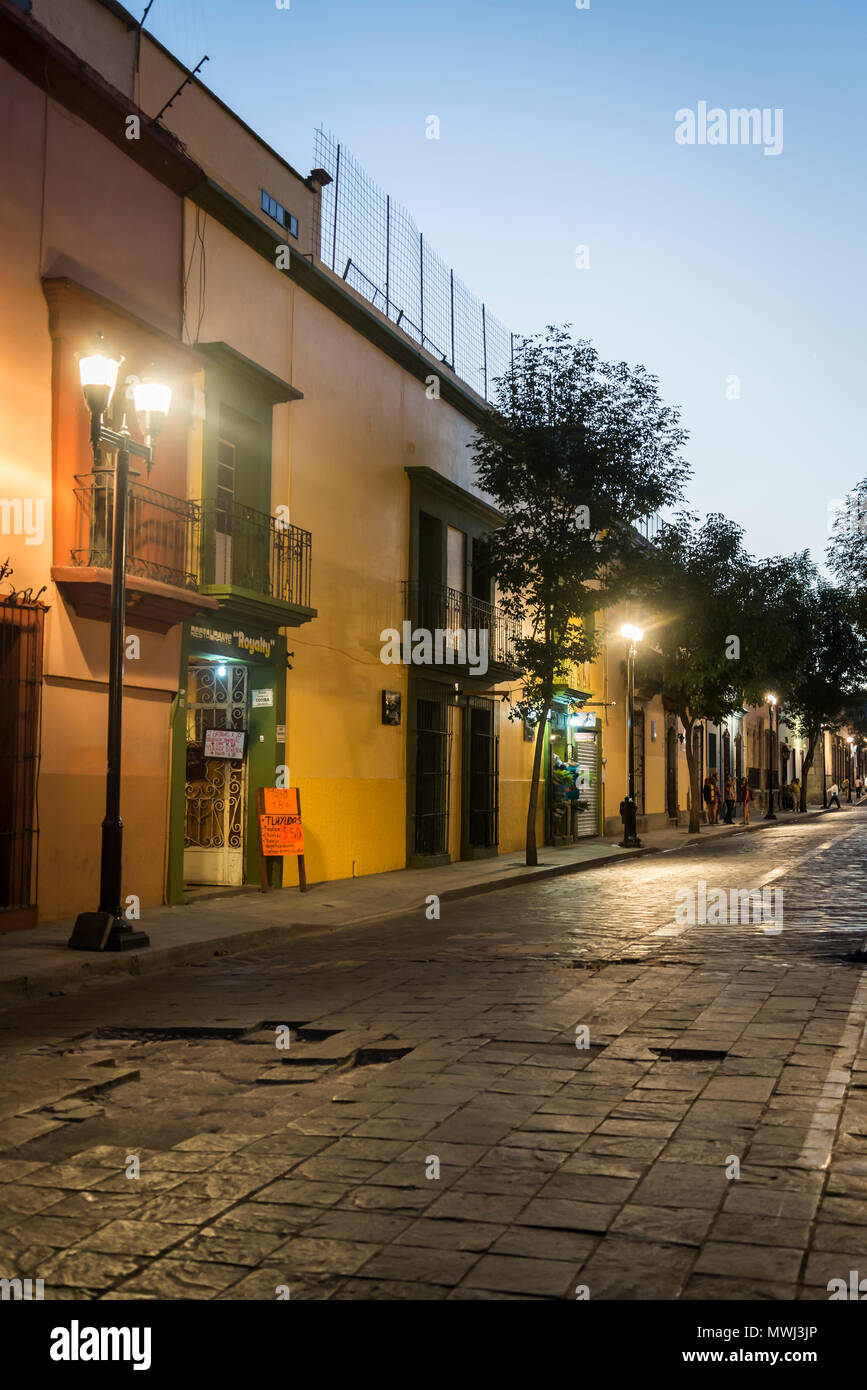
{"x":162,"y":560}
{"x":438,"y":607}
{"x":186,"y":557}
{"x":249,"y":550}
{"x":163,"y":531}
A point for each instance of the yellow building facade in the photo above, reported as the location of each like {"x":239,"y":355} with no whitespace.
{"x":328,"y":488}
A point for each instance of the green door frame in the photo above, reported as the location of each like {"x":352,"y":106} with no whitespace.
{"x":264,"y":755}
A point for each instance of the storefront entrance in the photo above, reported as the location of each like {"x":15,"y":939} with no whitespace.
{"x":216,"y":773}
{"x":573,"y":777}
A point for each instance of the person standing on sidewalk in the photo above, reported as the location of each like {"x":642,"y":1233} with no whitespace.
{"x":834,"y":796}
{"x":796,"y":795}
{"x":746,"y":798}
{"x":731,"y":798}
{"x":707,"y":795}
{"x":717,"y":799}
{"x":859,"y":787}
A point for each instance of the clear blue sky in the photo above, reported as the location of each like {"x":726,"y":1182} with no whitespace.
{"x":557,"y":130}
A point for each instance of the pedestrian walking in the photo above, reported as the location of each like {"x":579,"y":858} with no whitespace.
{"x":834,"y":796}
{"x":859,"y":787}
{"x":796,"y":795}
{"x":707,"y":794}
{"x":746,"y":796}
{"x":731,"y":798}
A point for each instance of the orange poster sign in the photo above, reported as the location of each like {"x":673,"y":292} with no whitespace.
{"x":280,"y":825}
{"x":281,"y":801}
{"x":280,"y":830}
{"x":281,"y":835}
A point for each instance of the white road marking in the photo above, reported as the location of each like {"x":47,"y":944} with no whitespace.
{"x":819,"y":1137}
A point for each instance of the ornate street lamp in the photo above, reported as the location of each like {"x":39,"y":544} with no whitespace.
{"x":772,"y":703}
{"x":628,"y":808}
{"x":108,"y":929}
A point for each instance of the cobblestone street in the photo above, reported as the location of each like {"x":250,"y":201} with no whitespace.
{"x":434,"y":1132}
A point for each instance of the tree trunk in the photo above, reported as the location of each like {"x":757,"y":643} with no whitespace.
{"x":532,"y":856}
{"x":692,"y":766}
{"x":805,"y":768}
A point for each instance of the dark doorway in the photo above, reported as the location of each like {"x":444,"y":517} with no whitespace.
{"x":432,"y":764}
{"x":671,"y":771}
{"x":483,"y":790}
{"x":638,"y":746}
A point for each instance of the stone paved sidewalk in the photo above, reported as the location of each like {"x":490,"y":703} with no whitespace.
{"x":713,"y":1052}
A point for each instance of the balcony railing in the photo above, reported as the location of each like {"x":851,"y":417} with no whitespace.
{"x":193,"y":545}
{"x":436,"y":606}
{"x":248,"y":549}
{"x":163,"y":532}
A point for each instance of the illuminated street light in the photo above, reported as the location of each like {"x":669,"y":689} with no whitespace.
{"x":107,"y":929}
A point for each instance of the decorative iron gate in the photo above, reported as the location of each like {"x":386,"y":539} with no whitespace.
{"x":216,"y":788}
{"x":21,"y":627}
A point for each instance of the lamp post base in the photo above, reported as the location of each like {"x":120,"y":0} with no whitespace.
{"x":123,"y":938}
{"x":630,"y":842}
{"x":101,"y":931}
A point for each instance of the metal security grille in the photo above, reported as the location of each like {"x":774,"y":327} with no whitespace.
{"x":432,"y":775}
{"x":585,"y":755}
{"x":21,"y":628}
{"x":373,"y":243}
{"x":484,"y":771}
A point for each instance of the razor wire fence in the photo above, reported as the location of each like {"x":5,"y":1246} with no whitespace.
{"x":374,"y":245}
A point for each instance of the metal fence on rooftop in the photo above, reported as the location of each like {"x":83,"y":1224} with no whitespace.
{"x":373,"y":243}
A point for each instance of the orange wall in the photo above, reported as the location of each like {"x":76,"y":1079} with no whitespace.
{"x":74,"y":205}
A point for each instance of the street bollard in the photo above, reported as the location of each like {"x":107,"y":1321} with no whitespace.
{"x":628,"y":814}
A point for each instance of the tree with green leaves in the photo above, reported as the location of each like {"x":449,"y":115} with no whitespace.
{"x":847,"y":552}
{"x":826,"y":688}
{"x":575,"y":451}
{"x":706,"y":648}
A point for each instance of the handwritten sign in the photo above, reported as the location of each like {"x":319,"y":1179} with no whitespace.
{"x":280,"y":826}
{"x":224,"y":743}
{"x":280,"y":829}
{"x":281,"y":835}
